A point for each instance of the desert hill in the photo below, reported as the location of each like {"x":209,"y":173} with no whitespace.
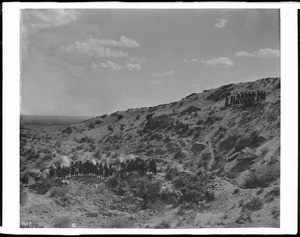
{"x":236,"y":147}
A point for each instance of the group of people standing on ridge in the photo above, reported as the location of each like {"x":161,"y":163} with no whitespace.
{"x":87,"y":168}
{"x":247,"y":97}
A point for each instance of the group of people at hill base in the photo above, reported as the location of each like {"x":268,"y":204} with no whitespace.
{"x":101,"y":169}
{"x":247,"y":97}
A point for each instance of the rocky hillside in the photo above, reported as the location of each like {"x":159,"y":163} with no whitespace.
{"x":238,"y":145}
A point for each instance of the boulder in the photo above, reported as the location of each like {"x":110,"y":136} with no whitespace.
{"x":198,"y":147}
{"x":247,"y":154}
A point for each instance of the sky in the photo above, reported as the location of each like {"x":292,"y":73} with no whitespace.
{"x":92,"y":62}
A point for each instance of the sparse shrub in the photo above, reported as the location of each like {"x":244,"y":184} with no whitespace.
{"x":43,"y":186}
{"x":91,"y":126}
{"x":59,"y":191}
{"x":220,"y":93}
{"x":228,"y":143}
{"x":275,"y":212}
{"x":122,"y":127}
{"x":137,"y":117}
{"x":209,"y":195}
{"x":212,"y":119}
{"x":171,"y":173}
{"x":237,"y":190}
{"x":85,"y":139}
{"x":145,"y":187}
{"x":200,"y":122}
{"x":232,"y":174}
{"x":62,"y":222}
{"x":67,"y":130}
{"x":255,"y":204}
{"x":120,"y":222}
{"x":110,"y":128}
{"x":259,"y":191}
{"x":98,"y":122}
{"x":262,"y":176}
{"x":112,"y":181}
{"x":79,"y":191}
{"x":165,"y":224}
{"x":180,"y":182}
{"x":119,"y":117}
{"x":99,"y":189}
{"x":156,"y":206}
{"x":190,"y":110}
{"x":167,"y":139}
{"x":89,"y":191}
{"x":167,"y":196}
{"x":192,"y":196}
{"x":272,"y":194}
{"x":23,"y":197}
{"x":152,"y":109}
{"x":149,"y":116}
{"x":80,"y":147}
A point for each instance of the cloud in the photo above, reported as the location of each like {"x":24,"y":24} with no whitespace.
{"x":133,"y":67}
{"x":218,"y":62}
{"x":164,"y":74}
{"x":195,"y":60}
{"x":160,"y":76}
{"x":101,"y":48}
{"x":109,"y":65}
{"x":44,"y":18}
{"x":93,"y":50}
{"x":221,"y":23}
{"x":124,"y":42}
{"x":262,"y":53}
{"x":34,"y":20}
{"x":137,"y":60}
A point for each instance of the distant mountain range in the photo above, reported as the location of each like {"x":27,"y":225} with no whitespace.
{"x":52,"y":120}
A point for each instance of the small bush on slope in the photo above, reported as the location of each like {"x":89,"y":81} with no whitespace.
{"x":262,"y":176}
{"x":255,"y":204}
{"x":156,"y":206}
{"x":23,"y":197}
{"x":120,"y":222}
{"x":43,"y":186}
{"x":62,"y":222}
{"x":164,"y":224}
{"x":171,"y":173}
{"x":59,"y":191}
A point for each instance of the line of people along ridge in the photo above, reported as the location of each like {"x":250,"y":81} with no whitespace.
{"x":247,"y":97}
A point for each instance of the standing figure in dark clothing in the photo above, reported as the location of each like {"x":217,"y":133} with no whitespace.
{"x":101,"y":169}
{"x":58,"y":172}
{"x":258,"y":96}
{"x":242,"y":97}
{"x":72,"y":168}
{"x":253,"y":96}
{"x":25,"y":179}
{"x":51,"y":173}
{"x":237,"y":98}
{"x":105,"y":169}
{"x":226,"y":101}
{"x":264,"y":96}
{"x":233,"y":100}
{"x":80,"y":168}
{"x":153,"y":167}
